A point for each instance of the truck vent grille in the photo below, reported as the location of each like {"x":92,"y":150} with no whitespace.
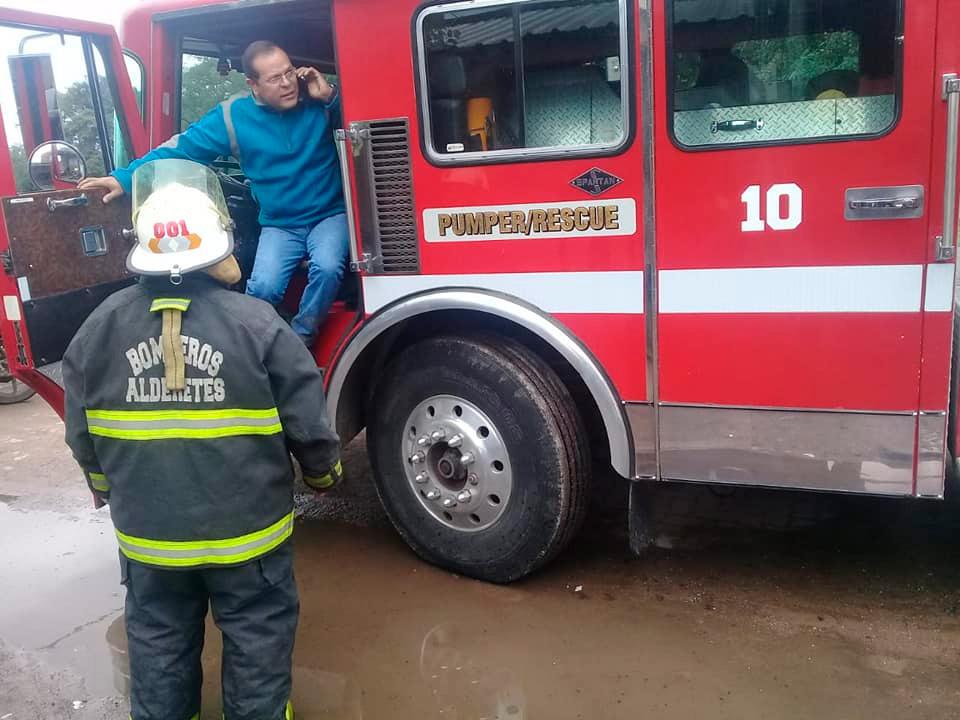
{"x":385,"y":185}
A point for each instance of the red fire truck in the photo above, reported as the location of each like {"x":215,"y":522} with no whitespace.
{"x":705,"y":241}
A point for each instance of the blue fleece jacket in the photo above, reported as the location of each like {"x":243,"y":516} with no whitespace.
{"x":290,"y":157}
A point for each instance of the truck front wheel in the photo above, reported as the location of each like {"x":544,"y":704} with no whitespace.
{"x":479,"y":455}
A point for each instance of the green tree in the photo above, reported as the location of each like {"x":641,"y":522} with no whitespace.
{"x":21,"y":172}
{"x":204,"y":87}
{"x":80,"y":126}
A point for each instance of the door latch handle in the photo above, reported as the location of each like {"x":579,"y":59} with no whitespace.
{"x":894,"y":203}
{"x":736,"y":125}
{"x":78,"y":201}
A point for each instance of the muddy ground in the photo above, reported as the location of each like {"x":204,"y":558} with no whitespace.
{"x":854,"y":614}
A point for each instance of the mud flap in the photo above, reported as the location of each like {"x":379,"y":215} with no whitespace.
{"x":641,"y":516}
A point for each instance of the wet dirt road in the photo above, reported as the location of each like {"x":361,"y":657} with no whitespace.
{"x":857,"y":616}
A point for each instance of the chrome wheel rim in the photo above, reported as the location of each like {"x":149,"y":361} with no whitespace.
{"x":456,"y":463}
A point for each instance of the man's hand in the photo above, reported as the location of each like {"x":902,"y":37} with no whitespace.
{"x":317,"y":86}
{"x":109,"y":183}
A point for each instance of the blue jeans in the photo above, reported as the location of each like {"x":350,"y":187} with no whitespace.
{"x":280,"y":252}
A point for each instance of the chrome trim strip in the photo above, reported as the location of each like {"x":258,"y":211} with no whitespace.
{"x":765,"y":408}
{"x":828,"y":451}
{"x":643,"y":425}
{"x":520,"y":153}
{"x":931,"y":455}
{"x":517,"y":311}
{"x":649,"y":217}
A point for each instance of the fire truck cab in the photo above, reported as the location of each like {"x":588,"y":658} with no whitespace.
{"x":682,"y":240}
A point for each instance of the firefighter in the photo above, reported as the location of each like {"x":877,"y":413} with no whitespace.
{"x":183,"y":402}
{"x":281,"y":131}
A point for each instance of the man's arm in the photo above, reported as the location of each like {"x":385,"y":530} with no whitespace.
{"x":77,"y":434}
{"x":298,"y":391}
{"x":203,"y":142}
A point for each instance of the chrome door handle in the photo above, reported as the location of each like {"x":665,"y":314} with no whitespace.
{"x":893,"y":203}
{"x":78,"y":201}
{"x":947,"y":241}
{"x":736,"y":125}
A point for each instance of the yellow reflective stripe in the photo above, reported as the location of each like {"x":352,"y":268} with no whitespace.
{"x":180,"y":304}
{"x":324,"y":481}
{"x":207,"y":559}
{"x":99,"y":482}
{"x":202,"y":544}
{"x":207,"y":552}
{"x":289,"y":715}
{"x":186,"y":433}
{"x":183,"y":424}
{"x":180,"y":414}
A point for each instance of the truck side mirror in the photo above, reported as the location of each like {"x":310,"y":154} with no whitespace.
{"x":56,"y":165}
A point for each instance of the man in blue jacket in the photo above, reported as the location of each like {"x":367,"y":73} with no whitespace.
{"x":282,"y":134}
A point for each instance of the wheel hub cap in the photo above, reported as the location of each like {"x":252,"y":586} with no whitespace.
{"x":456,"y":463}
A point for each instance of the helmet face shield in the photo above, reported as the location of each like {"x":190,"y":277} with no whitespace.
{"x":180,"y":217}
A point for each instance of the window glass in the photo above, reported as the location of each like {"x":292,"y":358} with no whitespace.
{"x":46,"y":95}
{"x":116,"y":147}
{"x":526,"y":75}
{"x":749,"y":71}
{"x":135,"y":73}
{"x":119,"y":144}
{"x":204,"y":82}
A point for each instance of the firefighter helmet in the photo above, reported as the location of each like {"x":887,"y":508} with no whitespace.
{"x":180,"y":218}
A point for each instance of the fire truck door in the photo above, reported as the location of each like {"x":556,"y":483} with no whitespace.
{"x":68,"y":110}
{"x":521,"y":124}
{"x":796,"y":264}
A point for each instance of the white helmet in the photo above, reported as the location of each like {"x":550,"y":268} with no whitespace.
{"x":180,"y":218}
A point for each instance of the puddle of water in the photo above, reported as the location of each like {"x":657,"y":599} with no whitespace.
{"x":61,"y":589}
{"x":382,"y":635}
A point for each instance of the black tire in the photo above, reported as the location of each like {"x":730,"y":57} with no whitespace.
{"x":543,"y":435}
{"x":14,"y":391}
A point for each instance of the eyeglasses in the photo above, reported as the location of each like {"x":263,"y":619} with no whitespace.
{"x":289,"y":76}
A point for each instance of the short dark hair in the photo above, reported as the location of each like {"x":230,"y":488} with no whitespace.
{"x":254,"y":50}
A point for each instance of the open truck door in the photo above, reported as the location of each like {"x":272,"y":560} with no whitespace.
{"x":68,"y":110}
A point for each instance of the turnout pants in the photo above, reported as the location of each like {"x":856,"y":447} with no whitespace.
{"x":255,"y":606}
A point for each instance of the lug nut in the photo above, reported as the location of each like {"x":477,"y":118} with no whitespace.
{"x":464,"y":496}
{"x":433,"y":494}
{"x":456,"y":441}
{"x":417,"y":458}
{"x":438,"y":435}
{"x":449,"y":502}
{"x":467,"y":458}
{"x":423,"y":441}
{"x":474,"y":480}
{"x":422,"y":478}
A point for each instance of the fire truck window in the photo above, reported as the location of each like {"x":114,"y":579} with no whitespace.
{"x":117,"y":144}
{"x":204,"y":82}
{"x":135,"y":72}
{"x":47,"y":94}
{"x":524,"y":76}
{"x":783,"y":70}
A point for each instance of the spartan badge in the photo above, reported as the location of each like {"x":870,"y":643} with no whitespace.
{"x":596,"y":181}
